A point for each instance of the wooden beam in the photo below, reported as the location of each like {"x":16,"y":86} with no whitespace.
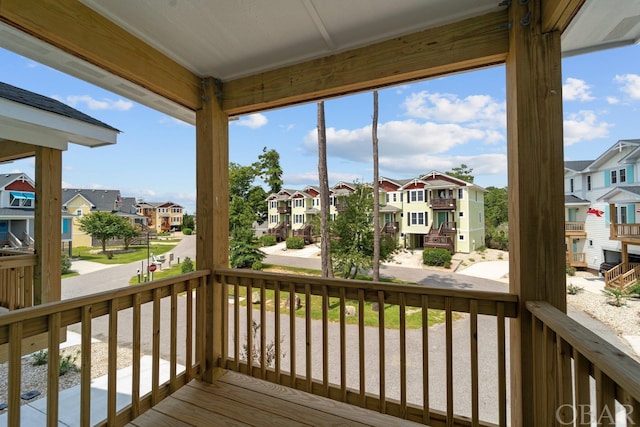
{"x":48,"y":225}
{"x":212,"y":244}
{"x":535,"y":191}
{"x":84,"y":33}
{"x":468,"y":44}
{"x":557,"y":14}
{"x":14,"y":150}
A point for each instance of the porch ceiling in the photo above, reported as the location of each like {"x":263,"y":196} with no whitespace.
{"x":232,"y":40}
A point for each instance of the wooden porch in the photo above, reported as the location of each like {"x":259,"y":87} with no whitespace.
{"x":574,"y":229}
{"x":544,"y":365}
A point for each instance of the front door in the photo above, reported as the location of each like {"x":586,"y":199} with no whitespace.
{"x":442,"y":217}
{"x":572,"y":214}
{"x":4,"y":230}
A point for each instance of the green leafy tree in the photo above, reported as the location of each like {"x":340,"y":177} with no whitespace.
{"x":128,"y":233}
{"x":243,"y":248}
{"x":268,"y":167}
{"x":188,"y":221}
{"x":103,"y":226}
{"x":496,"y":209}
{"x":257,"y":199}
{"x":352,"y":237}
{"x":462,"y":172}
{"x":240,"y":179}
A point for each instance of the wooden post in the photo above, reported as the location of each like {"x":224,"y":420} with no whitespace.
{"x":612,"y":222}
{"x":48,"y":225}
{"x":535,"y":190}
{"x":212,"y":245}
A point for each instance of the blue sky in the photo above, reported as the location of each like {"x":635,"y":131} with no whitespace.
{"x":432,"y":125}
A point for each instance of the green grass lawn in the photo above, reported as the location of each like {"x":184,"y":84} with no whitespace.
{"x":136,"y":253}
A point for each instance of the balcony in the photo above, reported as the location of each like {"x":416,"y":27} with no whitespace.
{"x":574,"y":229}
{"x":577,"y":259}
{"x":284,"y":209}
{"x":453,"y":374}
{"x":443,"y":203}
{"x":391,"y":227}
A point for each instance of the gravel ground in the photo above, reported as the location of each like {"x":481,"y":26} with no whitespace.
{"x":623,"y":320}
{"x":35,"y":377}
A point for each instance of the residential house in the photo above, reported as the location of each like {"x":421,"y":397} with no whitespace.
{"x":17,"y":204}
{"x":590,"y":187}
{"x":544,"y":365}
{"x":434,"y":210}
{"x":162,"y":217}
{"x":81,"y":201}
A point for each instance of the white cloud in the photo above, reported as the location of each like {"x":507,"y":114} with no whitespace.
{"x":299,"y":180}
{"x":253,"y":121}
{"x":395,"y":137}
{"x":576,"y":90}
{"x":95,"y":104}
{"x":584,"y":126}
{"x":630,"y":84}
{"x":475,"y":110}
{"x":288,"y":127}
{"x":612,"y":100}
{"x":411,"y":165}
{"x":168,"y":120}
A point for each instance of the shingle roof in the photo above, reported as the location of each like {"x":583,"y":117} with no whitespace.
{"x":577,"y":165}
{"x":102,"y":200}
{"x":44,"y":103}
{"x":7,"y":178}
{"x":569,"y":199}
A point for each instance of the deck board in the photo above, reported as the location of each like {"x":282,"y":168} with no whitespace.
{"x":238,"y":400}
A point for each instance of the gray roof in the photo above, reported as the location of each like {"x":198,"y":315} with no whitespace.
{"x":8,"y":178}
{"x":102,"y":200}
{"x":44,"y":103}
{"x":578,"y":165}
{"x":19,"y":213}
{"x":571,"y":199}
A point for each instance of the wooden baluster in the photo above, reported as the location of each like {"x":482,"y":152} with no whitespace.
{"x":361,"y":347}
{"x":135,"y":355}
{"x":189,"y":332}
{"x":85,"y":363}
{"x":173,"y":343}
{"x":403,"y":356}
{"x":112,"y":359}
{"x":53,"y":369}
{"x":276,"y":299}
{"x":381,"y":350}
{"x":155,"y":365}
{"x":473,"y":340}
{"x":343,"y":347}
{"x":426,"y":410}
{"x":236,"y":325}
{"x":550,"y":374}
{"x":449,"y":358}
{"x":308,"y":337}
{"x":263,"y":331}
{"x":15,"y":372}
{"x":564,"y":379}
{"x":292,"y":333}
{"x":249,"y":329}
{"x":605,"y":399}
{"x":502,"y":369}
{"x":325,"y":340}
{"x":582,"y":375}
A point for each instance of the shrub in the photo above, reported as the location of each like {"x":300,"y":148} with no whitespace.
{"x":295,"y":243}
{"x":436,"y":257}
{"x":187,"y":231}
{"x":571,"y":271}
{"x":267,"y":240}
{"x":187,"y":265}
{"x":257,"y":265}
{"x":617,"y":297}
{"x":68,"y":363}
{"x":66,"y":264}
{"x":574,"y":289}
{"x":40,"y":358}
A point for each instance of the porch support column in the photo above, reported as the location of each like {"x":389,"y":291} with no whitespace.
{"x":212,"y":245}
{"x":48,"y":225}
{"x":535,"y":190}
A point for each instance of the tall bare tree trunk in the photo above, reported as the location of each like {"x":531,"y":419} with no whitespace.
{"x":323,"y":178}
{"x":376,"y":191}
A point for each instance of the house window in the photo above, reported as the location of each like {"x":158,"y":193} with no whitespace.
{"x":273,"y":218}
{"x":460,"y":194}
{"x":395,"y":197}
{"x":78,"y":212}
{"x":623,"y":214}
{"x":298,"y":219}
{"x":589,"y":182}
{"x":332,"y":201}
{"x":623,"y":175}
{"x":417,"y":218}
{"x":461,"y":237}
{"x":298,"y":203}
{"x":401,"y":197}
{"x":386,"y":197}
{"x":614,"y":177}
{"x":571,"y":185}
{"x":461,"y":214}
{"x":416,"y":195}
{"x":273,"y":204}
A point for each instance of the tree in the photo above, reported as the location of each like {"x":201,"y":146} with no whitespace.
{"x":240,"y":179}
{"x":102,"y":226}
{"x":462,"y":172}
{"x":188,"y":221}
{"x":376,"y":191}
{"x":352,"y":235}
{"x":268,"y":167}
{"x":243,"y":248}
{"x":323,"y":179}
{"x":496,"y":209}
{"x":128,"y":233}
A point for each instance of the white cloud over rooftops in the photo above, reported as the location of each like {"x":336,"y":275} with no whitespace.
{"x":576,"y":90}
{"x":95,"y":104}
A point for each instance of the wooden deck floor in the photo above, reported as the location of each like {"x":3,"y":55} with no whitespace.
{"x":238,"y":400}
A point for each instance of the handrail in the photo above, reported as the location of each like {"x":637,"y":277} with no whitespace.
{"x":562,"y":391}
{"x":184,"y":296}
{"x":574,"y":226}
{"x":288,"y":347}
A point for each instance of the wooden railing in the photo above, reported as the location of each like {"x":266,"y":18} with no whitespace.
{"x":576,"y":259}
{"x":625,"y":230}
{"x":627,"y":279}
{"x":446,"y":203}
{"x":612,"y":276}
{"x":16,"y":280}
{"x":166,"y":300}
{"x":391,"y":227}
{"x":573,"y":228}
{"x":579,"y":378}
{"x":360,"y":359}
{"x":438,"y":241}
